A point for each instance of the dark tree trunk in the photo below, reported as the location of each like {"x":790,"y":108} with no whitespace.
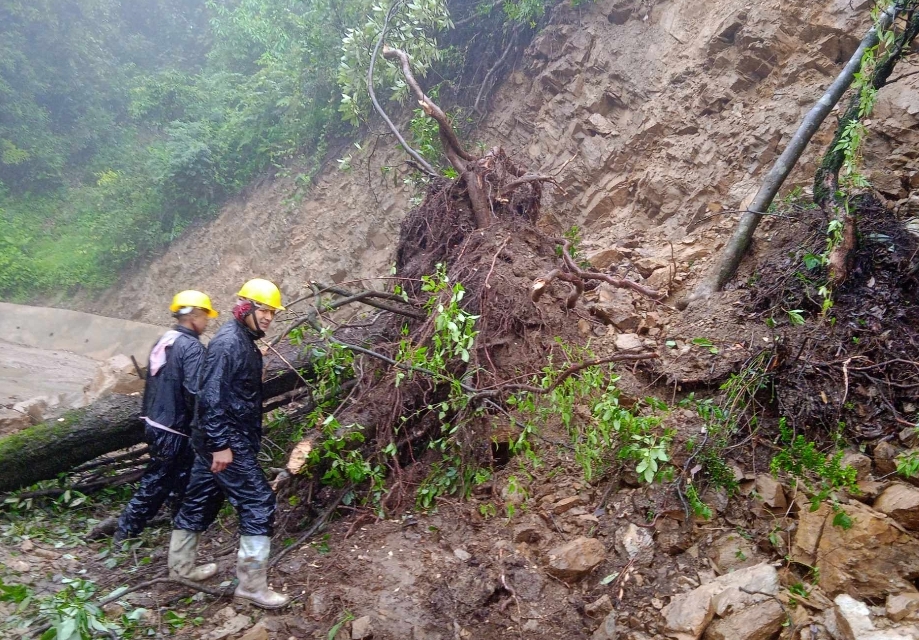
{"x":46,"y":450}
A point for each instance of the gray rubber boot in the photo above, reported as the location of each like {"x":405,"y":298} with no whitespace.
{"x":183,"y":547}
{"x":252,"y":571}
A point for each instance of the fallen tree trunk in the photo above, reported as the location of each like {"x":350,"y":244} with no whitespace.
{"x":742,"y":237}
{"x":48,"y":449}
{"x":56,"y":447}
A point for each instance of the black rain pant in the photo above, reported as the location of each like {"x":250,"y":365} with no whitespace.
{"x":243,"y":483}
{"x":171,"y":457}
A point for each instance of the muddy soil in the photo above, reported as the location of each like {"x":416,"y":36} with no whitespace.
{"x":57,"y":377}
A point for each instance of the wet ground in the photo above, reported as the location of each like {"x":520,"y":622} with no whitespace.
{"x":29,"y":372}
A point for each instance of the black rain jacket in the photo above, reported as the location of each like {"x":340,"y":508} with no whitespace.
{"x":169,"y":396}
{"x":229,"y":410}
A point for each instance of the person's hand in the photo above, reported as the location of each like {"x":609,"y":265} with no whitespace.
{"x":221,"y":460}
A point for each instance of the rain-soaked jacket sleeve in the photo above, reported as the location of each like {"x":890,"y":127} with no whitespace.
{"x":214,"y":399}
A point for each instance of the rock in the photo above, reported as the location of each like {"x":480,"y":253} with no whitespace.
{"x":607,"y":629}
{"x":605,"y":258}
{"x":629,"y":342}
{"x":647,"y":266}
{"x":902,"y":606}
{"x":869,"y":490}
{"x":635,"y":543}
{"x":858,"y":461}
{"x":362,"y":628}
{"x":462,"y":554}
{"x":688,"y":614}
{"x":20,"y":566}
{"x":885,"y":458}
{"x":319,"y":603}
{"x":231,"y":626}
{"x":623,"y":318}
{"x":731,"y":552}
{"x":900,"y":502}
{"x":853,"y":618}
{"x":873,"y":555}
{"x":573,"y":560}
{"x":116,"y":375}
{"x":530,"y":531}
{"x":770,"y":492}
{"x":26,"y":546}
{"x":909,"y":436}
{"x":660,"y":280}
{"x":258,"y":632}
{"x":599,"y":124}
{"x":760,"y":622}
{"x":566,"y":504}
{"x":599,"y":607}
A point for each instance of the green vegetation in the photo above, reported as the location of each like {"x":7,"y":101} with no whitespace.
{"x":122,"y":123}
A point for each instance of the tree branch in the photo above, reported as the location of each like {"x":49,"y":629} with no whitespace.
{"x":422,"y":163}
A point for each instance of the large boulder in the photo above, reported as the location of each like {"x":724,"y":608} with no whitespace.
{"x":874,"y":557}
{"x":688,"y":614}
{"x":900,"y":502}
{"x":574,"y":560}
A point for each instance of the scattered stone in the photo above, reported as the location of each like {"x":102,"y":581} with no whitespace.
{"x":858,"y":461}
{"x":770,"y":492}
{"x":731,"y":552}
{"x":116,"y":375}
{"x":760,"y":622}
{"x":852,"y":617}
{"x":258,"y":632}
{"x":319,"y":603}
{"x":566,"y":504}
{"x":575,"y":559}
{"x":599,"y":607}
{"x":902,"y":606}
{"x":230,"y":627}
{"x":362,"y":628}
{"x":607,"y":629}
{"x":909,"y":437}
{"x":636,"y":543}
{"x":20,"y":566}
{"x":873,"y":553}
{"x":47,"y":554}
{"x":529,"y":531}
{"x":629,"y":342}
{"x":605,"y":258}
{"x":26,"y":546}
{"x":869,"y":490}
{"x":900,"y":502}
{"x":647,"y":266}
{"x":462,"y":554}
{"x":885,"y":458}
{"x":689,"y":613}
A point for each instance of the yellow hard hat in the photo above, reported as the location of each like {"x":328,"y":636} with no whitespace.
{"x":263,"y":292}
{"x":192,"y":298}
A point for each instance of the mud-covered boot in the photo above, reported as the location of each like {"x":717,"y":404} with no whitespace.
{"x":183,"y":547}
{"x":252,"y":570}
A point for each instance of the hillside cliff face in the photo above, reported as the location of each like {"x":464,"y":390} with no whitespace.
{"x":659,"y":117}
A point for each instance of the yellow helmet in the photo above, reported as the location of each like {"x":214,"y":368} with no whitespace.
{"x":263,"y":292}
{"x":192,"y":298}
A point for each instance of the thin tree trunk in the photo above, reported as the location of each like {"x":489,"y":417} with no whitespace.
{"x":740,"y":241}
{"x":826,"y":180}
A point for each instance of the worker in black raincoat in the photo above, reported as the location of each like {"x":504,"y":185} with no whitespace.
{"x":227,"y":438}
{"x":168,"y":410}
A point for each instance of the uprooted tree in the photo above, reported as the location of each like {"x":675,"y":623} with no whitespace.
{"x":482,"y":302}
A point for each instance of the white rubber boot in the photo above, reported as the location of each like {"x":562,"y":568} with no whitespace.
{"x":252,"y":571}
{"x":183,"y":547}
